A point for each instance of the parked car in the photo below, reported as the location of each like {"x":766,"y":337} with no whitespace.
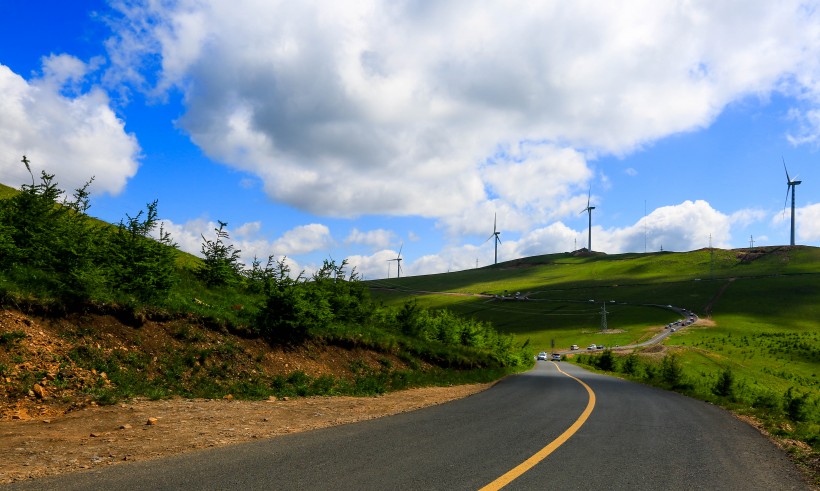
{"x":542,"y":356}
{"x":592,"y":347}
{"x":556,"y":357}
{"x":574,"y":346}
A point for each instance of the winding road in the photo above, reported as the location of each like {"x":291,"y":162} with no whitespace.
{"x":556,"y":426}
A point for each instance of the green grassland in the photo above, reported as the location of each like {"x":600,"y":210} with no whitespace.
{"x":760,"y":311}
{"x":634,"y":287}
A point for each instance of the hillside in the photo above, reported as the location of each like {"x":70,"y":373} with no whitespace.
{"x":755,"y":351}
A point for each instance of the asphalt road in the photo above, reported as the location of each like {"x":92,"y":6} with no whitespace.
{"x":635,"y":438}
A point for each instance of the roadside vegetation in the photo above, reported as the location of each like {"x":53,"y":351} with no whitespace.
{"x":56,"y":262}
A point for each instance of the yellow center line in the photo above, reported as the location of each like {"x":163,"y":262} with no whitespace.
{"x":542,"y":454}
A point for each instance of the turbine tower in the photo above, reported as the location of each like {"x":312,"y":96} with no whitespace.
{"x":589,"y":209}
{"x":398,"y":263}
{"x":790,"y":185}
{"x":495,"y":234}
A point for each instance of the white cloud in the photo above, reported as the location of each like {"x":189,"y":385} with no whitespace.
{"x":807,"y":223}
{"x":393,"y":108}
{"x":63,"y":130}
{"x":304,"y":239}
{"x":377,"y":239}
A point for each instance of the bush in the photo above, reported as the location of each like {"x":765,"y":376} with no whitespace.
{"x":221,"y":265}
{"x":671,"y":371}
{"x":724,"y":386}
{"x":795,"y":406}
{"x":140,"y":265}
{"x":631,"y":364}
{"x":606,"y":361}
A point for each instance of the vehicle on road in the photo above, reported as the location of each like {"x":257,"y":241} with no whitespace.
{"x":592,"y":347}
{"x":574,"y":347}
{"x":542,"y":356}
{"x":556,"y":357}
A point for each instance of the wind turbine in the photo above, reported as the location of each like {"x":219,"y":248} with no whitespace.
{"x":790,"y":184}
{"x":398,"y":263}
{"x":495,"y":234}
{"x":589,"y":209}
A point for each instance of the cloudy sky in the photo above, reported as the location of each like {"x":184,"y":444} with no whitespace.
{"x":320,"y":129}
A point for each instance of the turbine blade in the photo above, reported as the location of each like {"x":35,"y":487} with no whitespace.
{"x":788,"y":179}
{"x":495,"y":220}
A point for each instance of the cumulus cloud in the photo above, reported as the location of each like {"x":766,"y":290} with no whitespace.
{"x":377,"y":239}
{"x":394,"y":107}
{"x":63,"y":130}
{"x":807,"y":223}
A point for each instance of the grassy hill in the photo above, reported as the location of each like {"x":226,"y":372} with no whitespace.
{"x":565,"y":293}
{"x":760,"y":311}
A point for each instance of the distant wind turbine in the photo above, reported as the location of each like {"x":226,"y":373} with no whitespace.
{"x":589,"y":209}
{"x":495,"y":234}
{"x":398,"y":263}
{"x":790,"y":185}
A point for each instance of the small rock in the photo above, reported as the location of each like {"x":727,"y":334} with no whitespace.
{"x":272,"y":398}
{"x":286,"y":398}
{"x":228,"y":397}
{"x":39,"y":391}
{"x":95,"y":434}
{"x":125,"y":427}
{"x":151,"y":421}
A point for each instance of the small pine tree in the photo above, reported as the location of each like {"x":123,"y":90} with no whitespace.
{"x":141,"y":265}
{"x":671,"y":370}
{"x":606,"y":361}
{"x":724,"y":386}
{"x":221,"y":264}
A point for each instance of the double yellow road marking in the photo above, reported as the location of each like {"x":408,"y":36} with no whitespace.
{"x":542,"y":454}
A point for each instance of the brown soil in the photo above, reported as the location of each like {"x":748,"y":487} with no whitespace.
{"x":49,"y":425}
{"x":100,"y":436}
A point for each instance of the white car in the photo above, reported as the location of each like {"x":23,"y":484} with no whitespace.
{"x":542,"y":356}
{"x":556,"y":357}
{"x":592,"y":347}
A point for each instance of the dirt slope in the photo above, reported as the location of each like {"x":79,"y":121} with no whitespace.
{"x":49,"y":426}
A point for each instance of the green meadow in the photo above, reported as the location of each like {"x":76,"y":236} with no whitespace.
{"x":759,"y":311}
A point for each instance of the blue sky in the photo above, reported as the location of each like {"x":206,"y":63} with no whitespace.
{"x":351,"y":129}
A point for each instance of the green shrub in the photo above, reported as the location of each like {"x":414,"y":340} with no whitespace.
{"x":140,"y":265}
{"x":671,"y":371}
{"x":606,"y":361}
{"x":725,"y":384}
{"x":221,"y":265}
{"x":795,"y":406}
